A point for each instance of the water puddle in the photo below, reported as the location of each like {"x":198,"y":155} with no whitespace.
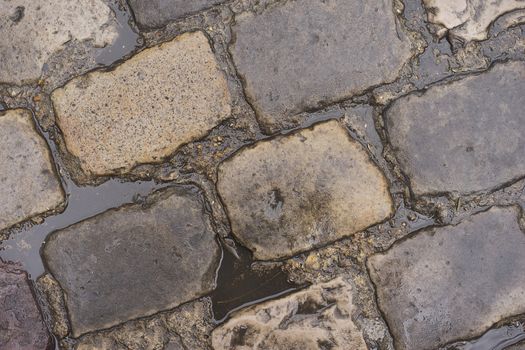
{"x":495,"y":339}
{"x":240,"y":285}
{"x":127,"y":40}
{"x":83,"y":202}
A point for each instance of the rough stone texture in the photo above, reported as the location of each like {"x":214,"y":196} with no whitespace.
{"x":295,"y":192}
{"x":156,"y":13}
{"x":28,"y":185}
{"x":21,"y":326}
{"x":319,"y":317}
{"x":464,"y":136}
{"x":452,"y":283}
{"x":134,"y":261}
{"x":37,"y":29}
{"x":297,"y":55}
{"x":519,"y":346}
{"x":187,"y":327}
{"x":146,"y":108}
{"x":469,"y":19}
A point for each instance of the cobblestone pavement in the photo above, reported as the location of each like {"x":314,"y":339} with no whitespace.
{"x":262,"y":174}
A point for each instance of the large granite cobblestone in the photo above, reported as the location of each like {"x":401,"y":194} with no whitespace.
{"x":293,"y":193}
{"x":145,"y":108}
{"x":465,"y":136}
{"x":134,"y":261}
{"x":452,"y":283}
{"x":298,"y":55}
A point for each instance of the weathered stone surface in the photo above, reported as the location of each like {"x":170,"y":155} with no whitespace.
{"x":319,"y":317}
{"x":134,"y":261}
{"x":36,"y":29}
{"x":452,"y":283}
{"x":156,"y":13}
{"x":464,"y":136}
{"x":299,"y":191}
{"x":519,"y":346}
{"x":297,"y":55}
{"x":469,"y":19}
{"x":144,"y":109}
{"x":21,"y":326}
{"x":28,"y":185}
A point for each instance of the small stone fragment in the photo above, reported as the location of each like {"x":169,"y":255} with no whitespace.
{"x":296,"y":192}
{"x":157,"y":13}
{"x":134,"y":261}
{"x":38,"y":29}
{"x":300,"y":54}
{"x":469,"y":19}
{"x":28,"y":184}
{"x":144,"y":109}
{"x":21,"y":326}
{"x":319,"y":317}
{"x":464,"y":136}
{"x":452,"y":283}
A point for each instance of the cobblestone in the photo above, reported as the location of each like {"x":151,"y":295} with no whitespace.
{"x":28,"y":184}
{"x":21,"y":326}
{"x":293,"y":193}
{"x":156,"y":13}
{"x":145,"y":108}
{"x":470,"y":19}
{"x":519,"y":346}
{"x":465,"y":136}
{"x":319,"y":317}
{"x":188,"y":327}
{"x":452,"y":283}
{"x":37,"y":30}
{"x":107,"y":263}
{"x":190,"y":174}
{"x":298,"y":55}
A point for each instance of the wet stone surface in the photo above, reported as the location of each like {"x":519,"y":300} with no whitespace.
{"x":452,"y":283}
{"x":156,"y":13}
{"x":187,"y":327}
{"x":28,"y":184}
{"x":299,"y":55}
{"x":21,"y":326}
{"x":471,"y":19}
{"x":319,"y":317}
{"x":190,"y":174}
{"x":36,"y":30}
{"x":145,"y":108}
{"x":465,"y":136}
{"x":295,"y":192}
{"x":162,"y":254}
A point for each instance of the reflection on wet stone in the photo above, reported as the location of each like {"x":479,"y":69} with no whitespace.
{"x":319,"y":317}
{"x":162,"y":254}
{"x":452,"y":283}
{"x":293,"y":193}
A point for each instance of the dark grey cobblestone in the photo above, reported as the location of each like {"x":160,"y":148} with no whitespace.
{"x":163,"y":254}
